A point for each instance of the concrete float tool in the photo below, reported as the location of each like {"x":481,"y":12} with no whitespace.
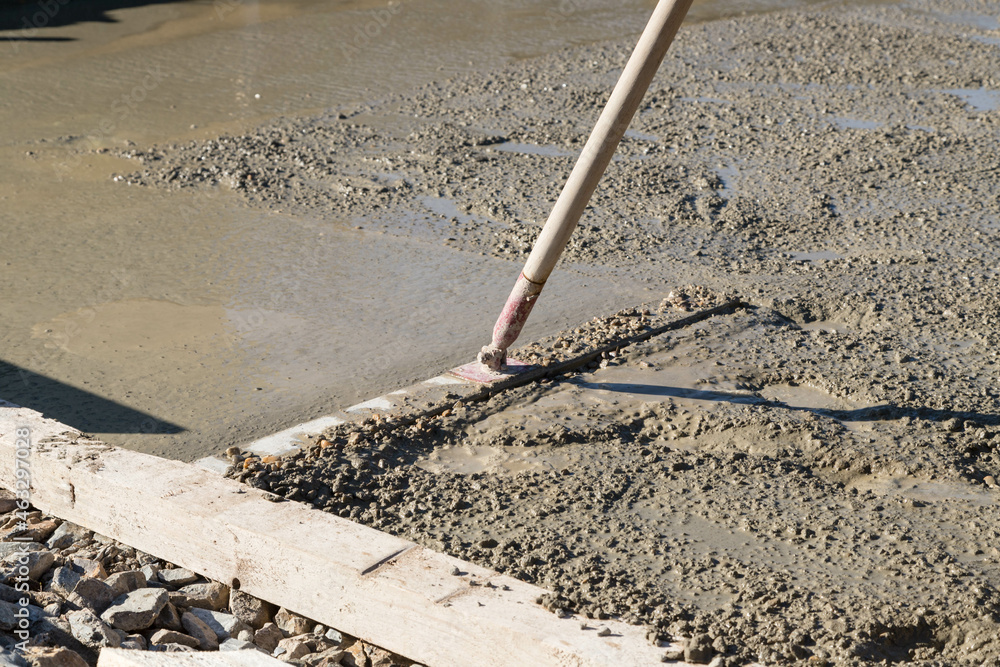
{"x":590,"y":166}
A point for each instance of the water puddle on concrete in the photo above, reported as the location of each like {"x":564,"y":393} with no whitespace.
{"x":110,"y":332}
{"x":181,"y":323}
{"x":531,"y":149}
{"x":468,"y":459}
{"x":815,"y":256}
{"x":981,"y":21}
{"x":633,"y":134}
{"x":923,"y":490}
{"x":977,"y":99}
{"x":855,"y":123}
{"x":448,"y":209}
{"x":729,"y":175}
{"x":804,"y":397}
{"x":829,"y":326}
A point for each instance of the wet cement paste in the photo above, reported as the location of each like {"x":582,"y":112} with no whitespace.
{"x":178,"y":323}
{"x":808,"y":478}
{"x":747,"y":484}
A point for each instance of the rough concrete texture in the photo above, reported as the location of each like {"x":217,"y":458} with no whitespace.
{"x":811,"y":477}
{"x":702,"y":485}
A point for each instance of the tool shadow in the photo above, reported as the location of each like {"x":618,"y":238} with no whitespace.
{"x":77,"y":408}
{"x":27,"y":17}
{"x":883,"y":412}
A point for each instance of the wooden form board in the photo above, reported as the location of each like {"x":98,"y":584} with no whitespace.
{"x":120,"y":657}
{"x":383,"y":589}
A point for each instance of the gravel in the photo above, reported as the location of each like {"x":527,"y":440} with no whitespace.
{"x":71,"y":589}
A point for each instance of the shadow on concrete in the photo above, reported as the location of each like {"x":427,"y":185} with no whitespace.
{"x":30,"y":17}
{"x":19,"y":38}
{"x":74,"y":407}
{"x":886,"y":412}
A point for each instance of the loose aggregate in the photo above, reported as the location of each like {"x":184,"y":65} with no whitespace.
{"x":778,"y":529}
{"x":810,"y":478}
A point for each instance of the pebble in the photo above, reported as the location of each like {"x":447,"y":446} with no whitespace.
{"x":7,"y":548}
{"x":55,"y":657}
{"x":11,"y":659}
{"x":36,"y":562}
{"x":195,"y":626}
{"x":92,"y":593}
{"x":328,"y":658}
{"x":169,"y":618}
{"x":177,"y":576}
{"x":250,"y":610}
{"x":36,"y":532}
{"x":222,"y":624}
{"x":64,"y":581}
{"x":292,"y":624}
{"x":136,"y":610}
{"x":237,"y":645}
{"x":87,"y":567}
{"x":354,"y":656}
{"x":291,"y":648}
{"x":66,"y":534}
{"x":165,"y":636}
{"x":211,"y":595}
{"x":268,"y":637}
{"x":8,"y":615}
{"x":8,"y":501}
{"x":126,"y":582}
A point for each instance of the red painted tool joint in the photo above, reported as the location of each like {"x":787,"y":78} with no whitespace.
{"x":512,"y":318}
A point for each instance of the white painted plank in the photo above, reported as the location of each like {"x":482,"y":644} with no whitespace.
{"x":213,"y":464}
{"x":445,"y":380}
{"x":380,"y":403}
{"x":291,"y":438}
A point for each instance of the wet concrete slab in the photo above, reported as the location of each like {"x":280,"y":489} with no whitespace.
{"x":237,"y":322}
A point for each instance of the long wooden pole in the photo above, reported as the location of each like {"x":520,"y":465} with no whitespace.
{"x":590,"y":166}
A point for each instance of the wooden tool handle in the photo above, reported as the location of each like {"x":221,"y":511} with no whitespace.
{"x":590,"y":166}
{"x":603,"y":141}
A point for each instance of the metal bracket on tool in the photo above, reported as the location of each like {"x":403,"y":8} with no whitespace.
{"x":477,"y":372}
